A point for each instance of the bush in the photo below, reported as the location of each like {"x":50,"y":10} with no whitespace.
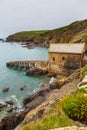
{"x":75,"y":106}
{"x":82,"y":90}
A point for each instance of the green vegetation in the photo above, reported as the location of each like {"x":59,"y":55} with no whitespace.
{"x":26,"y":35}
{"x":75,"y":105}
{"x":81,"y":36}
{"x":82,"y":90}
{"x":71,"y":106}
{"x":75,"y":32}
{"x":83,"y":72}
{"x":54,"y":119}
{"x":31,"y":33}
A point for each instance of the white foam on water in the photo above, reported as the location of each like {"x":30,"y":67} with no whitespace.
{"x":14,"y":97}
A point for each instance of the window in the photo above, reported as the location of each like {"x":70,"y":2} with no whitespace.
{"x":63,"y":58}
{"x":53,"y":59}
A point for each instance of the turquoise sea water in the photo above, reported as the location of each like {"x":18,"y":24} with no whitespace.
{"x":15,"y":79}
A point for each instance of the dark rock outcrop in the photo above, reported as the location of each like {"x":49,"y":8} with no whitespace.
{"x":6,"y":89}
{"x":9,"y":101}
{"x":11,"y":121}
{"x":33,"y":104}
{"x":22,"y":88}
{"x":10,"y":109}
{"x":2,"y":104}
{"x":55,"y":85}
{"x":36,"y":96}
{"x":52,"y":74}
{"x":30,"y":102}
{"x":36,"y":72}
{"x":2,"y":40}
{"x":73,"y":76}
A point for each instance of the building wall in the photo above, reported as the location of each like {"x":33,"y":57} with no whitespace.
{"x":58,"y":62}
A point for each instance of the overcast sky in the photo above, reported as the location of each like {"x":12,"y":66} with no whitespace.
{"x":21,"y":15}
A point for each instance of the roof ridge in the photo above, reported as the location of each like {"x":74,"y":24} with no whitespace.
{"x":67,"y":48}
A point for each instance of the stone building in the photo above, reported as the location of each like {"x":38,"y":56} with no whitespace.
{"x":63,"y":57}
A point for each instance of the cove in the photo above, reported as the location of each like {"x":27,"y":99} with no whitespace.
{"x":14,"y":79}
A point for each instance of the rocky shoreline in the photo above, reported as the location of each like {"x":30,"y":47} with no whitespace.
{"x":50,"y":96}
{"x":32,"y":45}
{"x":30,"y":102}
{"x":48,"y":93}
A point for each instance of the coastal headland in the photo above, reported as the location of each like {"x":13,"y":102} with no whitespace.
{"x":75,"y":32}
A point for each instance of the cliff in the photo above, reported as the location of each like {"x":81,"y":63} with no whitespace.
{"x":50,"y":114}
{"x":75,"y":32}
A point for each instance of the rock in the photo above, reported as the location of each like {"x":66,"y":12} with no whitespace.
{"x":9,"y":101}
{"x":6,"y":89}
{"x":75,"y":75}
{"x":1,"y":39}
{"x":52,"y":102}
{"x":52,"y":80}
{"x":83,"y":83}
{"x":55,"y":85}
{"x":15,"y":107}
{"x":2,"y":104}
{"x":12,"y":120}
{"x":71,"y":128}
{"x":22,"y":88}
{"x":51,"y":75}
{"x":33,"y":104}
{"x":30,"y":46}
{"x":36,"y":72}
{"x":32,"y":101}
{"x":42,"y":85}
{"x":10,"y":109}
{"x":34,"y":96}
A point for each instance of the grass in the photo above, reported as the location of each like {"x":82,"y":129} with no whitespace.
{"x":80,"y":36}
{"x":82,"y":90}
{"x":25,"y":35}
{"x":70,"y":33}
{"x":33,"y":36}
{"x":32,"y":32}
{"x":71,"y":106}
{"x":54,"y":119}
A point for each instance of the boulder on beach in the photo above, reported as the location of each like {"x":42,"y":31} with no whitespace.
{"x":6,"y":89}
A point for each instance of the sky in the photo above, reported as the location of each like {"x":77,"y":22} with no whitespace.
{"x":26,"y":15}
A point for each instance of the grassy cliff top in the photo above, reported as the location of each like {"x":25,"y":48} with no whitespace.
{"x":75,"y":32}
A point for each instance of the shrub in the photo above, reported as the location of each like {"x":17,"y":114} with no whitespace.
{"x":82,"y":90}
{"x":75,"y":106}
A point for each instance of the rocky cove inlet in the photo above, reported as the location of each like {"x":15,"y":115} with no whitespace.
{"x":17,"y":79}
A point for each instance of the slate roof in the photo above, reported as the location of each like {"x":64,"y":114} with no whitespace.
{"x":76,"y":48}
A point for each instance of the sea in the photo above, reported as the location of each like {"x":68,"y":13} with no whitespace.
{"x":14,"y":79}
